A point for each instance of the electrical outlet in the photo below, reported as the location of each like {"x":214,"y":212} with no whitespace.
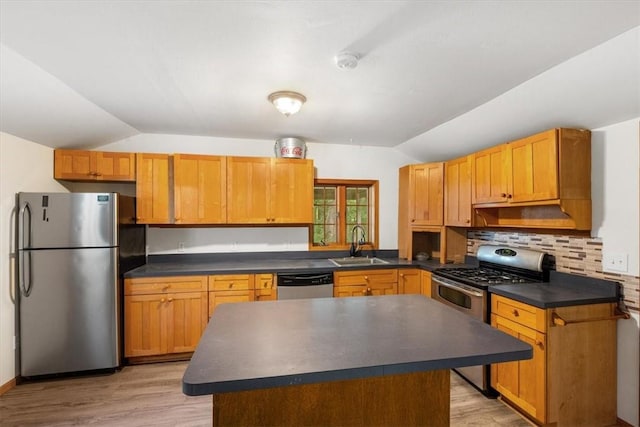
{"x":180,"y":246}
{"x":616,"y":262}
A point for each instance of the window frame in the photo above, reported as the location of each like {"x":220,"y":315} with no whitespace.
{"x":344,"y":241}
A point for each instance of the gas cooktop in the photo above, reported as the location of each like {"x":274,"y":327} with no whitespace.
{"x":499,"y":265}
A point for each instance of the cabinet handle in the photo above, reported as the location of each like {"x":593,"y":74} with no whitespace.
{"x":368,"y":291}
{"x":413,"y":220}
{"x":97,"y":174}
{"x":540,"y":344}
{"x":164,"y":288}
{"x":230,"y":285}
{"x":366,"y":278}
{"x":509,"y":196}
{"x":162,"y":301}
{"x":170,"y":300}
{"x":503,"y":194}
{"x":515,"y":313}
{"x":364,"y":292}
{"x":468,"y":221}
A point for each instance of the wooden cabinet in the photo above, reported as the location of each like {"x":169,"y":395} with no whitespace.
{"x":458,"y":210}
{"x":164,"y":316}
{"x":269,"y":190}
{"x":81,"y":165}
{"x":265,"y":287}
{"x":490,"y":175}
{"x":200,"y":189}
{"x":409,"y":281}
{"x":230,"y":288}
{"x":425,"y":283}
{"x":365,"y":282}
{"x":542,"y":181}
{"x":153,"y":192}
{"x":420,"y":202}
{"x":571,"y":378}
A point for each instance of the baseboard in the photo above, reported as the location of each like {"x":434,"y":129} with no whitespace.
{"x":622,"y":423}
{"x":7,"y":386}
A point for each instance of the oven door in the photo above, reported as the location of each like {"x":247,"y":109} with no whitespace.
{"x":466,"y":299}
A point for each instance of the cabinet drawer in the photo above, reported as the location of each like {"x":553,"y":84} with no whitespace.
{"x":523,"y":314}
{"x":155,"y":285}
{"x":226,"y":297}
{"x":231,"y":282}
{"x":365,"y":277}
{"x":263,"y":282}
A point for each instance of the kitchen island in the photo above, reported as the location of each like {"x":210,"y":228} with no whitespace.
{"x":339,"y":361}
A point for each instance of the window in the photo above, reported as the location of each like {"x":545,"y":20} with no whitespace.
{"x":338,"y":206}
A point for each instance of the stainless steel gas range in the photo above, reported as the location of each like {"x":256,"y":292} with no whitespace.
{"x":465,"y":289}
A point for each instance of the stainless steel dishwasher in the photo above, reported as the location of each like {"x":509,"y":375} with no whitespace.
{"x":305,"y":285}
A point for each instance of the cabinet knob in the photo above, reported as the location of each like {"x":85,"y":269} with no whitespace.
{"x":162,"y":300}
{"x":368,"y":291}
{"x":230,"y":285}
{"x":468,"y":221}
{"x":170,"y":299}
{"x":401,"y":274}
{"x":366,"y":277}
{"x":503,"y":194}
{"x":509,"y":196}
{"x":164,"y":288}
{"x":540,"y":344}
{"x":515,"y":313}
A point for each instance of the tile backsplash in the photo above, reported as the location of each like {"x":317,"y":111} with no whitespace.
{"x":572,"y":254}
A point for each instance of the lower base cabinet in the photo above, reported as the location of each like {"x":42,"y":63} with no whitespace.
{"x":240,"y":288}
{"x":571,"y":379}
{"x":351,"y":283}
{"x":409,"y":281}
{"x":164,"y":316}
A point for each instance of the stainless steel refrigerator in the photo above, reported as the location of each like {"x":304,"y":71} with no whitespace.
{"x":72,"y":251}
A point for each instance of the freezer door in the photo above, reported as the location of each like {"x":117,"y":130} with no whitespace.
{"x":67,"y":220}
{"x":69,"y":321}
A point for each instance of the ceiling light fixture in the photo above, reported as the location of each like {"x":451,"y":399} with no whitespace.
{"x":347,"y":60}
{"x":287,"y":102}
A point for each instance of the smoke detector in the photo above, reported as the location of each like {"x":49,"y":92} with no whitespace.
{"x":346,"y":60}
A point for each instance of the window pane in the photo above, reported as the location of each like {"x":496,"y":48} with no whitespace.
{"x":318,"y":195}
{"x":363,"y":215}
{"x":318,"y":214}
{"x":363,"y":196}
{"x":330,"y":234}
{"x":330,"y":215}
{"x":318,"y":234}
{"x":352,"y":212}
{"x":352,"y":195}
{"x":330,"y":195}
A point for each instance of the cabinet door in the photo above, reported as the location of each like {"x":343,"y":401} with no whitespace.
{"x":248,"y":188}
{"x":534,"y":168}
{"x":425,"y":283}
{"x":200,"y":189}
{"x":112,"y":166}
{"x":291,"y":197}
{"x":186,"y":318}
{"x":144,"y":325}
{"x":489,"y":175}
{"x":224,"y":297}
{"x":74,"y":165}
{"x":409,"y":281}
{"x":380,"y":287}
{"x":426,"y":198}
{"x":457,"y":192}
{"x":152,"y":188}
{"x":350,"y":291}
{"x":523,"y":382}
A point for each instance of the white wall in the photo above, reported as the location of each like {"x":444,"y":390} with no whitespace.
{"x":330,"y":161}
{"x":24,"y":166}
{"x":615,"y":164}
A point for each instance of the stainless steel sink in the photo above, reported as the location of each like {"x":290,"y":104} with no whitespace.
{"x":354,"y":261}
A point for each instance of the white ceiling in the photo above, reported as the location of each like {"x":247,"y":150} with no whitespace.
{"x":435,"y":79}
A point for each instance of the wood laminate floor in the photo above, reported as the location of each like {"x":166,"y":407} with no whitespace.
{"x":151,"y":395}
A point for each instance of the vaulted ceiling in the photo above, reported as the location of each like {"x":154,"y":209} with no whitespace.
{"x":434,"y":78}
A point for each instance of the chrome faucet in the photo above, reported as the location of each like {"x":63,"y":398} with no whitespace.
{"x":355,"y":244}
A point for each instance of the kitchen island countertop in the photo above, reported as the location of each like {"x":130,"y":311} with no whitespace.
{"x":294,"y":342}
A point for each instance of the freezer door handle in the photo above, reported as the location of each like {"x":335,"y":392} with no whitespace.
{"x":25,"y":259}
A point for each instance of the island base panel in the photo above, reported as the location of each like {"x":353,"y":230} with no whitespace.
{"x":416,"y":399}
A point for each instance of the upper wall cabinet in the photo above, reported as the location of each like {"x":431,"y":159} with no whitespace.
{"x":540,"y":181}
{"x":269,"y":190}
{"x":200,"y":189}
{"x":457,"y":192}
{"x":80,"y":165}
{"x":153,"y":192}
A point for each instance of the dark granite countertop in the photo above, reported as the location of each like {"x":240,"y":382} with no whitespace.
{"x":562,"y":290}
{"x":326,"y":339}
{"x":239,"y":263}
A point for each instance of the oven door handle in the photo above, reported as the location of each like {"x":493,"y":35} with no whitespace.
{"x":464,"y":290}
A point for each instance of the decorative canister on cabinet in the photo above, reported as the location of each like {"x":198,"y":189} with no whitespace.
{"x":290,"y":147}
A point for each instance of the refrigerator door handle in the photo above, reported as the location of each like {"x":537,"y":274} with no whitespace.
{"x":25,"y":284}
